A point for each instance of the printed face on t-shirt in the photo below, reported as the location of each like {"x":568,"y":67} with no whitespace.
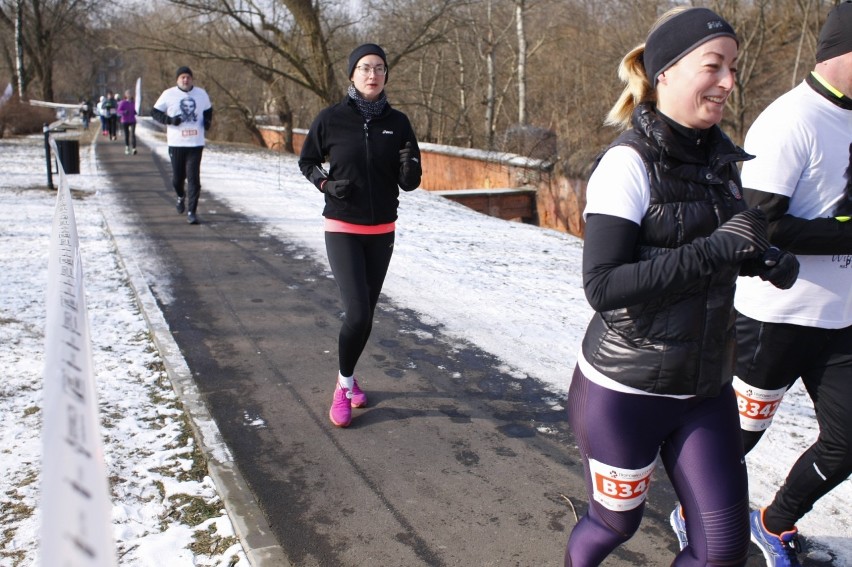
{"x":187,"y":110}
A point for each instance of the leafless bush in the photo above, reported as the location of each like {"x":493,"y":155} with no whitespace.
{"x":18,"y":119}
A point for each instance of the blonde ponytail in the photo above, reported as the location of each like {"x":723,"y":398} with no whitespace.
{"x":637,"y":89}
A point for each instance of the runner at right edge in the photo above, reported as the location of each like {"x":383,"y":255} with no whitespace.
{"x":801,"y":178}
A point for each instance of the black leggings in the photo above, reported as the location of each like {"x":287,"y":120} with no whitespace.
{"x":359,"y":263}
{"x":772,"y":356}
{"x":129,"y":134}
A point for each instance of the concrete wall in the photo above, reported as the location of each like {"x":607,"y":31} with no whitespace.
{"x":559,"y":201}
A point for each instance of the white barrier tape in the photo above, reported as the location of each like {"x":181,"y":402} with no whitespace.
{"x":76,"y":523}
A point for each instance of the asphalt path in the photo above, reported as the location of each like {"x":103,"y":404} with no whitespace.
{"x":447,"y":466}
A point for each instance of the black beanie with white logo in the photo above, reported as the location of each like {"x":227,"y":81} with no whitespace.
{"x":671,"y":40}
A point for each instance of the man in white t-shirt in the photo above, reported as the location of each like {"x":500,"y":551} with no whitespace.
{"x":186,"y":111}
{"x":801,"y":179}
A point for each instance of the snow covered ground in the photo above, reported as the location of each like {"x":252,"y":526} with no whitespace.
{"x":514,"y":290}
{"x":166,"y":510}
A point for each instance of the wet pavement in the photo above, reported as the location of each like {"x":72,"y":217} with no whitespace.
{"x":453,"y":463}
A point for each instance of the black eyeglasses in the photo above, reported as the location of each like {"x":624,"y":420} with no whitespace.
{"x":365,"y":70}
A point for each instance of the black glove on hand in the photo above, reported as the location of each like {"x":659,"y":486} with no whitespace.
{"x":741,"y":238}
{"x":408,"y":164}
{"x":338,"y":188}
{"x":780,"y":268}
{"x":174,"y":120}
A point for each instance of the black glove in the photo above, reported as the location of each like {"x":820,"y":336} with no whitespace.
{"x":174,"y":120}
{"x":408,"y":164}
{"x":741,"y":238}
{"x":779,"y":267}
{"x":338,"y":188}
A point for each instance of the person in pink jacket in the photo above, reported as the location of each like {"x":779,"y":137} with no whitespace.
{"x":127,"y":114}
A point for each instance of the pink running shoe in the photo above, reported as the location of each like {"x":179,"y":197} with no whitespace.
{"x":359,"y":398}
{"x":341,"y":407}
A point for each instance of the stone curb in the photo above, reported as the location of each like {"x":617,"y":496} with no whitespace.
{"x":259,"y":543}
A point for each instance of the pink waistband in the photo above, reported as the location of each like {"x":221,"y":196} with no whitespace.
{"x":334,"y":225}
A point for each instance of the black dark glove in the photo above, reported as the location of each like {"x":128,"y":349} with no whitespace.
{"x":338,"y":188}
{"x":780,"y":268}
{"x":174,"y":120}
{"x":741,"y":238}
{"x":408,"y":164}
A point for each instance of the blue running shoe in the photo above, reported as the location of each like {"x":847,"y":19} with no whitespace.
{"x":678,"y":523}
{"x":779,"y":550}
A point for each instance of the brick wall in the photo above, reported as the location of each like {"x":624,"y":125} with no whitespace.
{"x":559,"y":201}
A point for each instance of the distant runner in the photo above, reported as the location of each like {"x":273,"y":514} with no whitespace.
{"x":187,"y":112}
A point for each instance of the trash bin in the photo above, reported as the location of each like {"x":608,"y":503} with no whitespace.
{"x":68,"y":151}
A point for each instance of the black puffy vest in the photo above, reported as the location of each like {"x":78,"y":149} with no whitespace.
{"x":683,"y":342}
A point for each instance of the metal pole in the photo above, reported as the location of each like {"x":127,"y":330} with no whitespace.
{"x":46,"y":130}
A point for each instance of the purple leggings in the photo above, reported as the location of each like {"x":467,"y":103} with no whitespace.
{"x":698,"y":441}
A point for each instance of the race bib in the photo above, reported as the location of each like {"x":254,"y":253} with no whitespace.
{"x":618,"y":489}
{"x":757,"y":407}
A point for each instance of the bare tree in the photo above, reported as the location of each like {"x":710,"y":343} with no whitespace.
{"x":803,"y":32}
{"x":286,"y":42}
{"x":19,"y":48}
{"x":488,"y":44}
{"x":465,"y":71}
{"x":42,"y":28}
{"x":244,"y":111}
{"x":522,"y":61}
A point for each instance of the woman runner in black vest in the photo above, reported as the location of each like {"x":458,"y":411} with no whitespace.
{"x":667,"y":234}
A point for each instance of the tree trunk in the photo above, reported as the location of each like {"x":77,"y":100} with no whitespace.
{"x":522,"y":62}
{"x":285,"y":118}
{"x":491,"y":83}
{"x":19,"y":50}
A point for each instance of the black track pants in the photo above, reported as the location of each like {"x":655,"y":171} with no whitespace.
{"x":186,"y":169}
{"x":772,"y":356}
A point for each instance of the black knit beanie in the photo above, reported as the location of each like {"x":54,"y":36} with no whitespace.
{"x":182,"y":70}
{"x":835,"y":37}
{"x":361,"y":51}
{"x":679,"y":35}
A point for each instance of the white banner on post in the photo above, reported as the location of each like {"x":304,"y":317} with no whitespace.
{"x":76,"y":524}
{"x":138,"y":101}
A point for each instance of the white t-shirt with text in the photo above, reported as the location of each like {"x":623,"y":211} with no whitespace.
{"x":190,"y":106}
{"x":801,"y":143}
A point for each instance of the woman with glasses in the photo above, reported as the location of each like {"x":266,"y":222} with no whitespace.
{"x":667,"y":234}
{"x":372,"y":153}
